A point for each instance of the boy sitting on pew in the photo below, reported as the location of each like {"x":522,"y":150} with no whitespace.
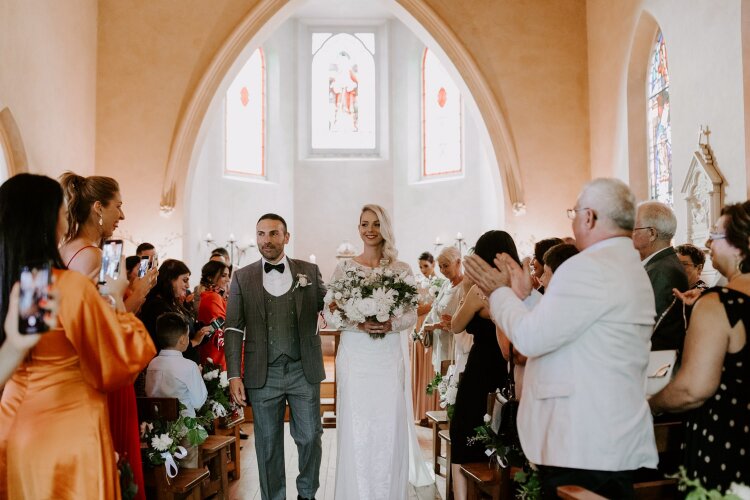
{"x":170,"y":375}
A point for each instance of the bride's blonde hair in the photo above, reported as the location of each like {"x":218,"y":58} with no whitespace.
{"x":386,"y":231}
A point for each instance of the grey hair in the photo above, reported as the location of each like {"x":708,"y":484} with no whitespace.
{"x":386,"y":231}
{"x":450,"y":253}
{"x":659,"y":216}
{"x":610,"y":198}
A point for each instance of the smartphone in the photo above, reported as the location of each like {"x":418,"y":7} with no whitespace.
{"x":33,"y":316}
{"x":143,"y":266}
{"x":111,"y":255}
{"x":216,"y":324}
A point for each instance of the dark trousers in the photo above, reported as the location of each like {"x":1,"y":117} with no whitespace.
{"x":608,"y":484}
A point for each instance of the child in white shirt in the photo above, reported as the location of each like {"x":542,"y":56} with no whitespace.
{"x":170,"y":375}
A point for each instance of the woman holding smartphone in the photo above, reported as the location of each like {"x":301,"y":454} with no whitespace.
{"x":94,"y":210}
{"x":53,"y":412}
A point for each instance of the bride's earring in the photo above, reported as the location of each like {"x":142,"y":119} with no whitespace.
{"x":101,"y":221}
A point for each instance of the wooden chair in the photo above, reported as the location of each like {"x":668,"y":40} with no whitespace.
{"x":669,"y":435}
{"x":445,"y":435}
{"x":187,"y":483}
{"x":214,"y":454}
{"x":230,"y":426}
{"x":483,"y":478}
{"x":438,"y":420}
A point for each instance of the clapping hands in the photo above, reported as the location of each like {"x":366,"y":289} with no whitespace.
{"x":506,"y":272}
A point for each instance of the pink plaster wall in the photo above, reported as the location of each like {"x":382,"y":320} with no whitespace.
{"x":48,"y":80}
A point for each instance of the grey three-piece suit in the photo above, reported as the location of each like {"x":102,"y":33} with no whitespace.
{"x":283,"y":364}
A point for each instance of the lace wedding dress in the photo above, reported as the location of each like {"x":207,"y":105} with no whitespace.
{"x":377,"y":454}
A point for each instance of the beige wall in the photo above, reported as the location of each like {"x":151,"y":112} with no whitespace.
{"x":152,"y":54}
{"x":48,"y":80}
{"x":704,"y":52}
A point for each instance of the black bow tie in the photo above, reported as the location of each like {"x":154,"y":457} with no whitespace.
{"x":268,"y":267}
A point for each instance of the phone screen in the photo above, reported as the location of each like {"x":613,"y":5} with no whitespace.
{"x":111,"y":255}
{"x":33,"y":317}
{"x":143,"y":267}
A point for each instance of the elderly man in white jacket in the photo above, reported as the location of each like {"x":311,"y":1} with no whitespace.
{"x":583,"y":417}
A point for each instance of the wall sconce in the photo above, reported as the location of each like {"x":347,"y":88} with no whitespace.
{"x":460,"y":243}
{"x":438,"y":245}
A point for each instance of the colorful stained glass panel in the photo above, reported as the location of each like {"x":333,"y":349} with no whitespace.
{"x":659,"y":128}
{"x":441,"y":119}
{"x":245,"y":120}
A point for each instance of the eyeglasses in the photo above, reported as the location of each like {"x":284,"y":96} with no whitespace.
{"x":716,"y":236}
{"x":644,"y":227}
{"x":572,"y":212}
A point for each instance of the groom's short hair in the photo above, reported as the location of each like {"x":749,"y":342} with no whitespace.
{"x":273,"y":217}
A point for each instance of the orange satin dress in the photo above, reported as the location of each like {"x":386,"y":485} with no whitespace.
{"x":54,"y":424}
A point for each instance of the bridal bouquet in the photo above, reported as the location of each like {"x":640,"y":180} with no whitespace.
{"x":378,"y":295}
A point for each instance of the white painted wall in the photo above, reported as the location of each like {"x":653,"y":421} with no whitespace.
{"x":704,"y":51}
{"x":321,"y":198}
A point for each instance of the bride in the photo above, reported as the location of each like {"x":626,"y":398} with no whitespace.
{"x":377,"y":450}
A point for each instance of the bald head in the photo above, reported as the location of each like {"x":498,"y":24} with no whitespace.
{"x":612,"y":201}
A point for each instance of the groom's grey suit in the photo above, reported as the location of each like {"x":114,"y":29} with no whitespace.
{"x":283,"y":363}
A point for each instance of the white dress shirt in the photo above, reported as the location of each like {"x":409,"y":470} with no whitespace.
{"x":276,"y":283}
{"x":588,"y":339}
{"x":170,"y":375}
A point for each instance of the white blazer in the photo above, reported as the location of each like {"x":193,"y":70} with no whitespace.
{"x":588,"y":340}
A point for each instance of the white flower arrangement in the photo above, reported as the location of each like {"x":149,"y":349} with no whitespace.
{"x":211,"y":375}
{"x":378,"y":295}
{"x":223,"y":380}
{"x":162,"y":442}
{"x":448,"y":388}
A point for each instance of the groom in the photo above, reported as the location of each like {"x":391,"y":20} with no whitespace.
{"x":275,"y":303}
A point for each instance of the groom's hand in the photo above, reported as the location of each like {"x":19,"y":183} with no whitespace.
{"x":237,"y":390}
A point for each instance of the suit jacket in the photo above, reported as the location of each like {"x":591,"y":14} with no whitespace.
{"x":667,"y":272}
{"x":584,"y":391}
{"x":246,"y":314}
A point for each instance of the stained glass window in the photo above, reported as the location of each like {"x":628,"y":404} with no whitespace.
{"x":245,"y":120}
{"x":659,"y":128}
{"x":441,"y":119}
{"x":343,"y":114}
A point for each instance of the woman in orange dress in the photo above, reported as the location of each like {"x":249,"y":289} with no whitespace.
{"x":94,"y":211}
{"x":54,"y":424}
{"x":213,"y":305}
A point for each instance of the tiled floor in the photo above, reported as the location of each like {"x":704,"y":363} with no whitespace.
{"x":247,"y":487}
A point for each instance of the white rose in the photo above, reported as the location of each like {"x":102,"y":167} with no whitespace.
{"x":223,"y":380}
{"x":211,"y":375}
{"x":367,"y":306}
{"x":162,"y":442}
{"x":740,"y":490}
{"x":382,"y":316}
{"x":302,"y":280}
{"x":409,"y":280}
{"x":487,"y":418}
{"x":338,"y":296}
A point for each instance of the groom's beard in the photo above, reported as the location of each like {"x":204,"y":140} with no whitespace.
{"x":271,"y":253}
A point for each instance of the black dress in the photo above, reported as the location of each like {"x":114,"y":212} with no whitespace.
{"x":717,"y":434}
{"x":486,"y":370}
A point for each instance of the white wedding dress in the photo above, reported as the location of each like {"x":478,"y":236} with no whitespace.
{"x":377,"y":454}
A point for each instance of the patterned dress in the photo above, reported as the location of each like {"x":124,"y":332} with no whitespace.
{"x":717,"y":435}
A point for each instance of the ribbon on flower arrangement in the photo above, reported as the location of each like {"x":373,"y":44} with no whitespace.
{"x":169,"y":464}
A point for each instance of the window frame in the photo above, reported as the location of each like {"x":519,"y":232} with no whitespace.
{"x":651,"y":147}
{"x":237,"y":174}
{"x":452,"y":174}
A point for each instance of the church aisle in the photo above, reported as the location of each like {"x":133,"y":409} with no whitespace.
{"x":248,"y":488}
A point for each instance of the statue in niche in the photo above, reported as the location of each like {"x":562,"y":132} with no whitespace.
{"x":699,"y":206}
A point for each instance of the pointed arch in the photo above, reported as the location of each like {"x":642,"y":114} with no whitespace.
{"x":269,"y":14}
{"x":11,"y":145}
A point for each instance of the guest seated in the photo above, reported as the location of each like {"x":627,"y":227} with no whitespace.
{"x":693,"y":259}
{"x":170,"y":375}
{"x":213,"y":305}
{"x":172,"y":286}
{"x":712,"y":383}
{"x":55,"y":440}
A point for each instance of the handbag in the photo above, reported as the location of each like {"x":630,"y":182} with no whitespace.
{"x":507,"y":429}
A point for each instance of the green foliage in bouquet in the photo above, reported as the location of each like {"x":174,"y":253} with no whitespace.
{"x":218,"y":402}
{"x":165,"y":437}
{"x":696,"y":491}
{"x":434,"y":384}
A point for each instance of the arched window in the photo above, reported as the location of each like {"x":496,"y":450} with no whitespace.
{"x":441,"y":120}
{"x":659,"y":128}
{"x":342,"y":99}
{"x":245,"y":116}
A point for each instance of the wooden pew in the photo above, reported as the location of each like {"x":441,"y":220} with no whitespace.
{"x":445,"y":435}
{"x":187,"y":483}
{"x":214,"y":454}
{"x":438,"y":420}
{"x":669,"y":434}
{"x":230,"y":426}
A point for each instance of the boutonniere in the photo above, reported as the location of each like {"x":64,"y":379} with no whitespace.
{"x":302,"y":281}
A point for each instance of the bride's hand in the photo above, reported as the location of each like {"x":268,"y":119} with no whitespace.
{"x":375,"y":327}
